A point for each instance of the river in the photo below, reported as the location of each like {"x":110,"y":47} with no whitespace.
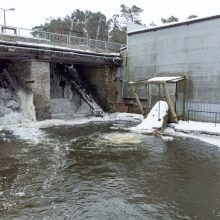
{"x":92,"y":171}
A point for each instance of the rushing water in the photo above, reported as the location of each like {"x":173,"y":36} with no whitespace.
{"x":93,"y":172}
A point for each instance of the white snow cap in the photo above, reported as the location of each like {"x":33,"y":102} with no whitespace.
{"x":155,"y":118}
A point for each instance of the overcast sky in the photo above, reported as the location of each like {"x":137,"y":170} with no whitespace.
{"x":29,"y":13}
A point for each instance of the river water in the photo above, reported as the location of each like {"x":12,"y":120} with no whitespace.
{"x":91,"y":171}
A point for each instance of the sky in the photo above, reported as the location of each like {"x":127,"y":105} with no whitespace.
{"x":30,"y":13}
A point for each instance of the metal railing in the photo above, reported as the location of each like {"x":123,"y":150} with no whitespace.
{"x":60,"y":38}
{"x":203,"y":116}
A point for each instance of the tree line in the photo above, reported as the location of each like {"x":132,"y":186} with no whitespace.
{"x":95,"y":25}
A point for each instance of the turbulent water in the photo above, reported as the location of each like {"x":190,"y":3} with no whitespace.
{"x":93,"y":172}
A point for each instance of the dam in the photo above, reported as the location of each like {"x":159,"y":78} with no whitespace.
{"x":51,"y":81}
{"x":91,"y":167}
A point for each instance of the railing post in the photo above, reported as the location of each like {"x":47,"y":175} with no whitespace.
{"x":54,"y":37}
{"x":215,"y":118}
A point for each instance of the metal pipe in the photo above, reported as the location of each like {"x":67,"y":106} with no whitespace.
{"x":4,"y":10}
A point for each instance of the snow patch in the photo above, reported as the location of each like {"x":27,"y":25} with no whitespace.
{"x":154,"y":120}
{"x":196,"y":127}
{"x":210,"y":139}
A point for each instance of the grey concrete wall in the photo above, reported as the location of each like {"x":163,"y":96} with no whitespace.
{"x":34,"y":77}
{"x":40,"y":74}
{"x":102,"y":84}
{"x":192,"y":49}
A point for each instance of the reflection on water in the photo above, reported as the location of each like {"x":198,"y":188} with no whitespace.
{"x":90,"y":171}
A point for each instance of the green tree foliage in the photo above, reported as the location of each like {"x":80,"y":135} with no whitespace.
{"x":131,"y":14}
{"x":171,"y":19}
{"x":192,"y":16}
{"x":152,"y":24}
{"x":80,"y":23}
{"x":118,"y":23}
{"x":117,"y":32}
{"x":93,"y":25}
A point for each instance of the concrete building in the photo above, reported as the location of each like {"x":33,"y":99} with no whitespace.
{"x":190,"y":48}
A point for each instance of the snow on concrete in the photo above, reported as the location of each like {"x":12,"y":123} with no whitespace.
{"x":206,"y":132}
{"x":196,"y":127}
{"x":154,"y":120}
{"x":51,"y":46}
{"x":207,"y":138}
{"x":165,"y":79}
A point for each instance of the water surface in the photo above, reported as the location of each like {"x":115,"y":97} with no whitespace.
{"x":93,"y":172}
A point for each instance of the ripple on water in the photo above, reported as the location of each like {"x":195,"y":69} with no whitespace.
{"x":93,"y":172}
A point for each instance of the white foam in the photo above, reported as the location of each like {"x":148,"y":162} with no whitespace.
{"x":167,"y":138}
{"x":122,"y":138}
{"x":32,"y":132}
{"x":20,"y":194}
{"x":12,"y":118}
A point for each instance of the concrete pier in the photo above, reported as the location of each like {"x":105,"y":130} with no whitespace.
{"x":34,"y":77}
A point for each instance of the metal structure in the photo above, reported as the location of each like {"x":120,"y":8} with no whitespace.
{"x":4,"y":10}
{"x":60,"y":38}
{"x":161,"y":82}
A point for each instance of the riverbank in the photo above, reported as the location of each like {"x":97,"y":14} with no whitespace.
{"x":204,"y":131}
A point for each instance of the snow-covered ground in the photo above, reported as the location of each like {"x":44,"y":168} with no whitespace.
{"x":207,"y":132}
{"x":196,"y":127}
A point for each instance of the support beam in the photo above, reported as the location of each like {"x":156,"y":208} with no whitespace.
{"x":169,"y":101}
{"x":137,"y":99}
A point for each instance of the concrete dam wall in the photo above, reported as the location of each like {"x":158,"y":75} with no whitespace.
{"x":38,"y":90}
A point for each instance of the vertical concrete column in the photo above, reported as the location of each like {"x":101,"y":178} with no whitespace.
{"x":34,"y":78}
{"x":40,"y":84}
